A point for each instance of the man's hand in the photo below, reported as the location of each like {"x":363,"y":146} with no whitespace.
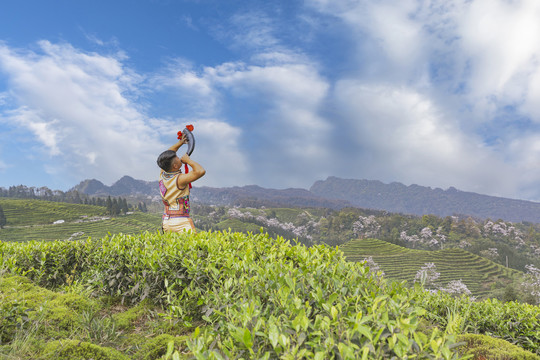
{"x":196,"y":172}
{"x":180,"y":142}
{"x":185,"y":159}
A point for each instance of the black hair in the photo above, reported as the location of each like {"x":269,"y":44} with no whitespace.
{"x":165,"y":159}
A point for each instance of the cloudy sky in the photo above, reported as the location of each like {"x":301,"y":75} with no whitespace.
{"x":281,"y":93}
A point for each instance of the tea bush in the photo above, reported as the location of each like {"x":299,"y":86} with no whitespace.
{"x":252,"y":296}
{"x":516,"y":322}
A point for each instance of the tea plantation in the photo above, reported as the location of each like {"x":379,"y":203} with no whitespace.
{"x":226,"y":295}
{"x":400,"y":263}
{"x":35,"y":220}
{"x":119,"y":289}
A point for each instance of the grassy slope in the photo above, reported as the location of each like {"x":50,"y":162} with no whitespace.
{"x":453,"y":264}
{"x":33,"y":220}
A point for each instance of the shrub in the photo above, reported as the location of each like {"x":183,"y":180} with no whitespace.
{"x":512,"y":321}
{"x":157,"y":347}
{"x":79,"y":350}
{"x":485,"y":347}
{"x":252,"y":296}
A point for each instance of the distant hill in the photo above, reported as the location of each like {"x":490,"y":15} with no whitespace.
{"x":420,"y":200}
{"x":251,"y":195}
{"x":256,"y":196}
{"x":125,"y":186}
{"x":337,"y":193}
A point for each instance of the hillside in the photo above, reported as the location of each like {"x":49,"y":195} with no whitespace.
{"x":35,"y":220}
{"x":480,"y":275}
{"x":514,"y":245}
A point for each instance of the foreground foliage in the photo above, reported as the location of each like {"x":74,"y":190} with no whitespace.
{"x":516,"y":322}
{"x":239,"y":296}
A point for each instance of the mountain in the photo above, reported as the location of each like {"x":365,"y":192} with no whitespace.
{"x":420,"y":200}
{"x":256,"y":196}
{"x":125,"y":186}
{"x":251,"y":195}
{"x":337,"y":193}
{"x":91,"y":187}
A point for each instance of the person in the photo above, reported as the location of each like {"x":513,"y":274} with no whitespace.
{"x":174,"y":188}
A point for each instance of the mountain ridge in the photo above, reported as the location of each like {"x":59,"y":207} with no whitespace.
{"x":337,"y":193}
{"x":420,"y":200}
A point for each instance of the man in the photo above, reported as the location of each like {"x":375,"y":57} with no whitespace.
{"x":174,"y":188}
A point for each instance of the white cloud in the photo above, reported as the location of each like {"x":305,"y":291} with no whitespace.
{"x":491,"y":48}
{"x":255,"y":30}
{"x":80,"y":106}
{"x":188,"y":21}
{"x":192,"y":87}
{"x":418,"y":98}
{"x":217,"y":149}
{"x":42,"y":130}
{"x":525,"y":154}
{"x":284,"y":130}
{"x":77,"y":106}
{"x":475,"y":67}
{"x":501,"y":41}
{"x":403,"y":136}
{"x":390,"y":43}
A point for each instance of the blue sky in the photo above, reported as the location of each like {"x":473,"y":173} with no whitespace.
{"x":437,"y":93}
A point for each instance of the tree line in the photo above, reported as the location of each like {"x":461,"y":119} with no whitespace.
{"x":43,"y":193}
{"x":114,"y":205}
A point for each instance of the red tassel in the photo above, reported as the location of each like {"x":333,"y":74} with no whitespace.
{"x":186,"y":171}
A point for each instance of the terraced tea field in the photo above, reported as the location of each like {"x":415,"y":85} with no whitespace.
{"x":24,"y":212}
{"x":34,"y":220}
{"x":401,"y":263}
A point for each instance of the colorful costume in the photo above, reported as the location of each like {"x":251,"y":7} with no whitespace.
{"x":176,"y":213}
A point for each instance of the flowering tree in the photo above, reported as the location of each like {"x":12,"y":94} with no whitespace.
{"x":413,"y":239}
{"x":304,"y":231}
{"x":532,"y":281}
{"x":374,"y":268}
{"x":491,"y":253}
{"x":366,"y":226}
{"x":457,"y":287}
{"x":425,"y":237}
{"x":427,"y":275}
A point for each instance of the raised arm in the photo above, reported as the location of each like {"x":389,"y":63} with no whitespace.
{"x":197,"y":172}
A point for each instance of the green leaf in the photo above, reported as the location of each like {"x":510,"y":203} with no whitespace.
{"x":283,"y":340}
{"x":334,"y":312}
{"x":170,"y":349}
{"x":247,"y":340}
{"x":364,"y":330}
{"x":273,"y":335}
{"x":365,"y":353}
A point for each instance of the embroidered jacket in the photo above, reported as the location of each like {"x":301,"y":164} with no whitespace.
{"x":176,"y":200}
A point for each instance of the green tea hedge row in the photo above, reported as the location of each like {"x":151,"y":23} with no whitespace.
{"x":517,"y":323}
{"x":250,"y":295}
